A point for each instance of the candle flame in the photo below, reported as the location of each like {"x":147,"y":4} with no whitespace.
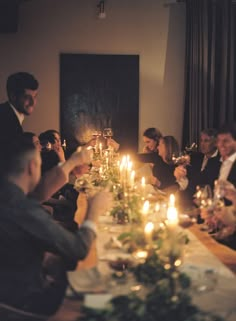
{"x":146,"y":207}
{"x":149,"y":228}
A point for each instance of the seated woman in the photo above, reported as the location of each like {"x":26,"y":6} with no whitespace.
{"x":163,"y":169}
{"x":151,"y":138}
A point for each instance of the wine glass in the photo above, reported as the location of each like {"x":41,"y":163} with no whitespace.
{"x":219,"y":193}
{"x":189,"y":148}
{"x":203,"y":195}
{"x":107,"y":133}
{"x":181,"y":158}
{"x":96,"y":134}
{"x":204,"y":199}
{"x":120,"y":266}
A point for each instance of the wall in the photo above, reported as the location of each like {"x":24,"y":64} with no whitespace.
{"x":145,"y":27}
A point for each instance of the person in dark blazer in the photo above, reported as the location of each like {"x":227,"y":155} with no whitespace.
{"x":22,"y":90}
{"x":203,"y":169}
{"x":226,"y":143}
{"x":27,"y":232}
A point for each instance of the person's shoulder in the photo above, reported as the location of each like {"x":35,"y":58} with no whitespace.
{"x":215,"y":160}
{"x":5,"y":107}
{"x":196,"y":156}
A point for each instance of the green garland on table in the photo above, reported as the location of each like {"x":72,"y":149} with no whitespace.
{"x":127,"y":208}
{"x":163,"y":303}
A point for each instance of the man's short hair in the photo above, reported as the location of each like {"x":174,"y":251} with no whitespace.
{"x":211,"y":132}
{"x":228,"y":128}
{"x":16,"y":155}
{"x":48,"y":136}
{"x":18,"y":82}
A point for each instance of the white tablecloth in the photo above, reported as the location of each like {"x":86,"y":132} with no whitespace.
{"x":214,"y":285}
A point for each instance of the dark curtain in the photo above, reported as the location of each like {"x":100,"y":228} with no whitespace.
{"x":210,"y":70}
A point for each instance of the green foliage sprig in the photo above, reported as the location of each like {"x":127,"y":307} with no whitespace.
{"x":167,"y":299}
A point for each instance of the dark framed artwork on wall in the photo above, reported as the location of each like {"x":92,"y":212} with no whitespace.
{"x":99,"y":91}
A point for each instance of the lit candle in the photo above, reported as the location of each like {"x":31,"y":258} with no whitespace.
{"x":172,"y":214}
{"x":172,"y":200}
{"x":143,"y":182}
{"x":132,"y":176}
{"x":157,"y":207}
{"x":145,"y":208}
{"x":148,"y":230}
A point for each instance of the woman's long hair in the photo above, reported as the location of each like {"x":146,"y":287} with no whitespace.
{"x":172,"y":147}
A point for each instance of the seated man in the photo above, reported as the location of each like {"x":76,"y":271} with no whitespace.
{"x":223,"y":218}
{"x":203,"y":169}
{"x":27,"y":232}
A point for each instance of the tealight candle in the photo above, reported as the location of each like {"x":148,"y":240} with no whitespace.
{"x":132,"y":176}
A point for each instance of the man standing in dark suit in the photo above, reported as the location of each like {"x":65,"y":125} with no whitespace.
{"x":22,"y":90}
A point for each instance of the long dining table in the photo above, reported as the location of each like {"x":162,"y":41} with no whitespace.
{"x":202,"y":254}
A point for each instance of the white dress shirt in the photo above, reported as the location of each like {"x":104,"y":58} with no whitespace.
{"x":226,"y":166}
{"x":19,"y":115}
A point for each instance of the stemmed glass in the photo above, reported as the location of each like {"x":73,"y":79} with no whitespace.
{"x":219,"y":193}
{"x":181,"y":158}
{"x":203,"y":196}
{"x":107,"y":133}
{"x":205,"y":201}
{"x":96,"y":134}
{"x":191,"y":148}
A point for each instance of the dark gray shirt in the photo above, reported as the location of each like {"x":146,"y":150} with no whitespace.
{"x":26,"y":232}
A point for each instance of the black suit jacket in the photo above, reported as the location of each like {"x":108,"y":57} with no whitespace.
{"x":198,"y":177}
{"x":205,"y":177}
{"x":232,"y":174}
{"x":10,"y":126}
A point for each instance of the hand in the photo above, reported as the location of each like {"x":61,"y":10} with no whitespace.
{"x":60,"y":152}
{"x":91,"y":142}
{"x":205,"y":213}
{"x":230,"y":192}
{"x":81,"y":170}
{"x":154,"y":181}
{"x":146,"y":150}
{"x":112,"y":143}
{"x":99,"y":204}
{"x":82,"y":156}
{"x":180,"y":172}
{"x":226,"y":215}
